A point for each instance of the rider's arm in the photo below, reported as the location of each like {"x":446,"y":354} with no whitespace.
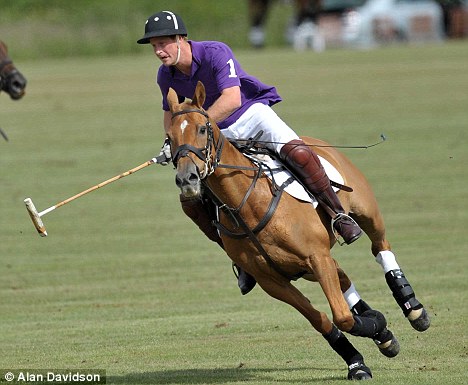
{"x":226,"y":104}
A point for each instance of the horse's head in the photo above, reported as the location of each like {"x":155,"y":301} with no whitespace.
{"x":191,"y":135}
{"x":11,"y":80}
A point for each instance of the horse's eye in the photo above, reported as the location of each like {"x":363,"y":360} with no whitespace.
{"x":202,"y":130}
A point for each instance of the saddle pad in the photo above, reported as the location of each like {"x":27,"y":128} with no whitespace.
{"x":295,"y":189}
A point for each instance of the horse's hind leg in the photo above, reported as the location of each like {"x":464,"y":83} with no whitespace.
{"x":289,"y":294}
{"x":373,"y":226}
{"x":402,"y":291}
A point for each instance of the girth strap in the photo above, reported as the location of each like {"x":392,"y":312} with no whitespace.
{"x":251,"y":233}
{"x":263,"y":222}
{"x":253,"y":238}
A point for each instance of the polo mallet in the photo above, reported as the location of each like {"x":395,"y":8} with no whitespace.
{"x":36,"y":216}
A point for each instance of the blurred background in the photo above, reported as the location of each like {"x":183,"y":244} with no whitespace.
{"x":125,"y":282}
{"x":57,"y":28}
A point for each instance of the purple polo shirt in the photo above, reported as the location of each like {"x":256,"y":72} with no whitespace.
{"x":216,"y":67}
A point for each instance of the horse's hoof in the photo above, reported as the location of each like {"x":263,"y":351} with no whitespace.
{"x":359,"y":371}
{"x":419,"y":319}
{"x":387,"y":343}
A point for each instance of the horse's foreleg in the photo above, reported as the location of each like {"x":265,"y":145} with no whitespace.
{"x":325,"y":272}
{"x":385,"y":340}
{"x":289,"y":294}
{"x":357,"y":370}
{"x":367,"y":325}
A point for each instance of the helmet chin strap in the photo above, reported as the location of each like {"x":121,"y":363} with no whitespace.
{"x":178,"y":50}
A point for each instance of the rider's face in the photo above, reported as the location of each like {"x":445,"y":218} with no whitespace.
{"x":165,"y":48}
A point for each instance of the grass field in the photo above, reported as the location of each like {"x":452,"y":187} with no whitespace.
{"x":125,"y":283}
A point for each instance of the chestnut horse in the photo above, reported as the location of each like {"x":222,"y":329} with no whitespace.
{"x":284,"y":240}
{"x":11,"y":80}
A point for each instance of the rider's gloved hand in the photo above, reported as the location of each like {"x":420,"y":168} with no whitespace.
{"x":166,"y":153}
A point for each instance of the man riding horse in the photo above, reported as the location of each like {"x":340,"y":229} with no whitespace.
{"x":241,"y":105}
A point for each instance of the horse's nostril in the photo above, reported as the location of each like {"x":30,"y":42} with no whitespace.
{"x":193,"y":178}
{"x":178,"y":181}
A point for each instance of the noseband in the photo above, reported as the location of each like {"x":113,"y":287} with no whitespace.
{"x":204,"y":154}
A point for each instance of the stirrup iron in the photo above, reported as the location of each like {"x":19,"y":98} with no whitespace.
{"x":335,"y":233}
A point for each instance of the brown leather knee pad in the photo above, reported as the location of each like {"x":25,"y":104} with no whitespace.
{"x":306,"y":165}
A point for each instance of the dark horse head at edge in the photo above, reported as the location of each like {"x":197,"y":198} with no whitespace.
{"x":11,"y":80}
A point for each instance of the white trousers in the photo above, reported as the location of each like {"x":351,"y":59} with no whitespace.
{"x":260,"y":117}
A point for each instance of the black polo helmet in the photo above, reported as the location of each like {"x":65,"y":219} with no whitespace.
{"x":164,"y":23}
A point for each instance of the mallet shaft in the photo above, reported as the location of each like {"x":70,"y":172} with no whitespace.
{"x":36,"y":216}
{"x":99,"y":185}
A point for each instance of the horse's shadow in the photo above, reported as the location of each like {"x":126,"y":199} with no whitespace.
{"x":219,"y":376}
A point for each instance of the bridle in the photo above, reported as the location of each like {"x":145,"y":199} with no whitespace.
{"x":205,"y":154}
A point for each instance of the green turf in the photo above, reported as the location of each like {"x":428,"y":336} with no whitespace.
{"x":125,"y":283}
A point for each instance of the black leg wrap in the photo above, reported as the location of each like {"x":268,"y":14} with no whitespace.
{"x":342,"y":346}
{"x":368,"y":324}
{"x":379,"y":338}
{"x":360,"y":307}
{"x":385,"y":340}
{"x":402,"y":291}
{"x":357,"y":370}
{"x":387,"y":343}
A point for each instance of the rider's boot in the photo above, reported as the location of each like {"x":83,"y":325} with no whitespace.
{"x":199,"y":212}
{"x":305,"y":164}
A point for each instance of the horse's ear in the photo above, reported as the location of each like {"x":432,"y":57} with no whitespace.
{"x":199,"y":96}
{"x":172,"y":99}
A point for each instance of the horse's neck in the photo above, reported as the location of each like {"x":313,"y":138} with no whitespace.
{"x":231,"y":183}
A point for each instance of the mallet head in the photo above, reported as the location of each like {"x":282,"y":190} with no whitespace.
{"x":35,"y":217}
